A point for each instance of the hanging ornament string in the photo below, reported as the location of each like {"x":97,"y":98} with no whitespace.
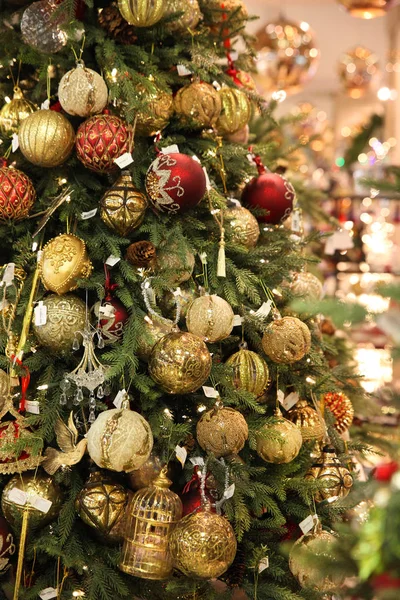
{"x":219,"y":503}
{"x":256,"y":159}
{"x":321,"y":418}
{"x":79,"y":60}
{"x":148,"y":293}
{"x":269,"y":295}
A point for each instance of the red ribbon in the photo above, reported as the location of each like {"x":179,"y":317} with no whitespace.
{"x":23,"y":381}
{"x":108,"y":286}
{"x":257,"y":161}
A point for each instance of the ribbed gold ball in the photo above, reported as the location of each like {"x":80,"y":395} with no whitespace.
{"x":122,"y":208}
{"x":64,"y":260}
{"x":336,"y":478}
{"x":82,"y":92}
{"x":222,"y":431}
{"x":198,"y":104}
{"x":142,"y":13}
{"x":241,"y":226}
{"x":286,"y":340}
{"x":235,"y":110}
{"x":278,"y":441}
{"x":249,"y":371}
{"x":46,"y":138}
{"x":14,"y":112}
{"x":66,"y":315}
{"x":306,"y":418}
{"x":210,"y":317}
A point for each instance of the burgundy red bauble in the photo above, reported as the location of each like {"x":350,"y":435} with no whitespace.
{"x":17,"y":194}
{"x":112,"y":316}
{"x":272,"y":193}
{"x":191,"y":494}
{"x":7,"y":546}
{"x":175,"y":183}
{"x":100,"y":140}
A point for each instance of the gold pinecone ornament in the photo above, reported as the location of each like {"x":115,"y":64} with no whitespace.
{"x":329,"y":470}
{"x":82,"y":92}
{"x":286,"y":340}
{"x":307,"y":420}
{"x":341,"y":408}
{"x":235,"y":110}
{"x":249,"y":371}
{"x":122,"y":208}
{"x":14,"y":112}
{"x":111,"y":20}
{"x":222,"y":431}
{"x":63,"y":261}
{"x":278,"y":441}
{"x":198,"y":104}
{"x":210,"y":317}
{"x":241,"y":226}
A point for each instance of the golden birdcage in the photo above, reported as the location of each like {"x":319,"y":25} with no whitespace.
{"x":151,"y":516}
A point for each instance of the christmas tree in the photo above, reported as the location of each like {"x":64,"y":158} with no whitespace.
{"x":162,"y":423}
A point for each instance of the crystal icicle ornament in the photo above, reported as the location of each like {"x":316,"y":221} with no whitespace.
{"x":75,"y":344}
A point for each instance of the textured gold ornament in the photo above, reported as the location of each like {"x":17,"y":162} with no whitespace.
{"x":235,"y":110}
{"x":101,"y":503}
{"x":222,"y":431}
{"x":198,"y":104}
{"x":147,"y":473}
{"x":120,"y":440}
{"x":142,"y":13}
{"x":154,"y":330}
{"x":188,"y":20}
{"x":337,"y":478}
{"x":82,"y":92}
{"x":152,"y":514}
{"x":185,"y":299}
{"x":286,"y":340}
{"x":203,"y":544}
{"x":241,"y":227}
{"x":66,"y":315}
{"x":250,"y":371}
{"x":46,"y":138}
{"x":31,"y":483}
{"x":173,"y":267}
{"x":283,"y":442}
{"x":210,"y":317}
{"x":4,"y":387}
{"x":159,"y":110}
{"x":180,"y":363}
{"x":122,"y":207}
{"x":341,"y":408}
{"x":14,"y":112}
{"x":307,"y":286}
{"x":64,"y":260}
{"x":307,"y":420}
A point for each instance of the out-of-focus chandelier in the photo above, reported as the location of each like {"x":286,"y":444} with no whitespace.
{"x":358,"y":70}
{"x":367,"y":9}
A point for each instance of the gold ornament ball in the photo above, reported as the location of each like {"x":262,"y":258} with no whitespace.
{"x":46,"y":138}
{"x":180,"y":363}
{"x":198,"y":104}
{"x":235,"y":110}
{"x":249,"y":372}
{"x":222,"y":431}
{"x":154,"y":330}
{"x":279,"y":441}
{"x":286,"y":340}
{"x":241,"y":226}
{"x":172,"y":266}
{"x":341,"y":408}
{"x":185,"y":297}
{"x":122,"y":208}
{"x":66,"y":315}
{"x":31,"y":483}
{"x":142,"y":13}
{"x":4,"y":387}
{"x":329,"y":470}
{"x":147,"y":473}
{"x":203,"y":545}
{"x":306,"y":286}
{"x":120,"y":440}
{"x":307,"y":420}
{"x":82,"y":92}
{"x":367,"y":9}
{"x":158,"y":112}
{"x":210,"y":317}
{"x":14,"y":112}
{"x":63,"y":261}
{"x":188,"y":20}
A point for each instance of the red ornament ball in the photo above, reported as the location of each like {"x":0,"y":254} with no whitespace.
{"x":7,"y":546}
{"x":385,"y":471}
{"x":17,"y":194}
{"x":271,"y":192}
{"x":175,"y":183}
{"x":100,"y":140}
{"x":191,"y":495}
{"x":112,"y":316}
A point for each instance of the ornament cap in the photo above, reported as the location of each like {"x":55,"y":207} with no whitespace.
{"x":18,"y":95}
{"x":162,"y":480}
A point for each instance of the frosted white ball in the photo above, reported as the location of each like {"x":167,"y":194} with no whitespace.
{"x":82,"y":92}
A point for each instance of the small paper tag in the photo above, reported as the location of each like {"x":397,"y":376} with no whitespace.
{"x":197,"y":461}
{"x":119,"y":398}
{"x":181,"y":454}
{"x":4,"y":304}
{"x":216,"y":85}
{"x":88,"y":214}
{"x":250,"y":158}
{"x":308,"y":523}
{"x":112,"y":260}
{"x":107,"y":311}
{"x":237,"y":320}
{"x":234,"y":201}
{"x":8,"y":275}
{"x":14,"y":142}
{"x":177,"y":292}
{"x":40,"y":314}
{"x":39,"y":255}
{"x":228,"y":493}
{"x":296,"y":221}
{"x":40,"y":503}
{"x":33,"y":407}
{"x":183,"y":71}
{"x":263,"y":564}
{"x":124,"y":160}
{"x":173,"y":149}
{"x":290,"y":400}
{"x":210,"y":392}
{"x":48,"y":593}
{"x":45,"y":105}
{"x":208,"y":183}
{"x":203,"y":257}
{"x":234,"y":55}
{"x":18,"y":496}
{"x":332,"y":499}
{"x":264,"y":309}
{"x":280,"y":395}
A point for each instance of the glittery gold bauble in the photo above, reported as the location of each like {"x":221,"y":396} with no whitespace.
{"x":101,"y":503}
{"x":203,"y":544}
{"x":154,"y":330}
{"x":147,"y":473}
{"x":278,"y":441}
{"x":198,"y":104}
{"x":188,"y":20}
{"x":64,"y":260}
{"x":329,"y":470}
{"x":222,"y":431}
{"x":304,"y":564}
{"x":172,"y":266}
{"x":367,"y":9}
{"x":142,"y":13}
{"x":14,"y":112}
{"x":82,"y":92}
{"x":306,"y":286}
{"x":122,"y":207}
{"x":120,"y":440}
{"x":46,"y":138}
{"x":210,"y":317}
{"x":286,"y":340}
{"x":341,"y":408}
{"x":4,"y":387}
{"x":235,"y":110}
{"x":184,"y":296}
{"x":31,"y":483}
{"x":152,"y":515}
{"x":249,"y":371}
{"x":241,"y":227}
{"x":66,"y":315}
{"x":159,"y":110}
{"x":180,"y":363}
{"x":307,"y":420}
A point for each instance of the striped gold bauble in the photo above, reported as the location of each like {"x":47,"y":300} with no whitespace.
{"x":46,"y":138}
{"x":235,"y":110}
{"x":249,"y":371}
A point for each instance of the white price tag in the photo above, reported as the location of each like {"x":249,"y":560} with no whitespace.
{"x":183,"y":71}
{"x":203,"y":257}
{"x":216,"y":85}
{"x":208,"y":183}
{"x":308,"y":523}
{"x":210,"y":392}
{"x":290,"y":400}
{"x":280,"y":395}
{"x":39,"y":255}
{"x":234,"y":55}
{"x":173,"y":149}
{"x":263,"y":564}
{"x":250,"y":159}
{"x":107,"y":311}
{"x":235,"y":202}
{"x":88,"y":214}
{"x":33,"y":407}
{"x":177,"y":292}
{"x":48,"y":593}
{"x":264,"y":309}
{"x":45,"y":105}
{"x":181,"y":454}
{"x":237,"y":320}
{"x":40,"y":503}
{"x":112,"y":260}
{"x":296,"y":221}
{"x":119,"y":398}
{"x":17,"y":496}
{"x":124,"y":160}
{"x":228,"y":493}
{"x":8,"y":275}
{"x":14,"y":142}
{"x":332,"y":499}
{"x":40,"y":314}
{"x":197,"y":461}
{"x":4,"y":304}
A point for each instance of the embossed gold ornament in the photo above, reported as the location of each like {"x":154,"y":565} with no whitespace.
{"x":329,"y":470}
{"x":82,"y":92}
{"x":63,"y":261}
{"x":120,"y":440}
{"x":341,"y":408}
{"x":146,"y":474}
{"x":210,"y":317}
{"x":142,"y":13}
{"x":171,"y":265}
{"x":307,"y":420}
{"x":246,"y":80}
{"x":278,"y":441}
{"x":235,"y":110}
{"x":66,"y":315}
{"x":286,"y":340}
{"x":249,"y":371}
{"x":180,"y":363}
{"x":185,"y":298}
{"x":159,"y":110}
{"x":198,"y":104}
{"x":46,"y":138}
{"x":14,"y":112}
{"x":186,"y":21}
{"x":306,"y":286}
{"x":222,"y":431}
{"x":122,"y":207}
{"x":241,"y":226}
{"x":152,"y":515}
{"x":203,"y":544}
{"x":153,"y":330}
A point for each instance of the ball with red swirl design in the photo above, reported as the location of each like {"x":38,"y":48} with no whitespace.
{"x":17,"y":194}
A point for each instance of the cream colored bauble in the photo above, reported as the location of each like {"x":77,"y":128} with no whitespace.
{"x":82,"y":92}
{"x":210,"y":317}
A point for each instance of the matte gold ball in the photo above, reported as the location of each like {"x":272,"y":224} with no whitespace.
{"x":210,"y":317}
{"x":63,"y":261}
{"x":13,"y":113}
{"x":306,"y":418}
{"x":180,"y":363}
{"x":222,"y":431}
{"x":159,"y":110}
{"x":306,"y":286}
{"x":198,"y":104}
{"x":241,"y":226}
{"x":66,"y":315}
{"x":122,"y":208}
{"x":203,"y":545}
{"x":188,"y":20}
{"x":235,"y":110}
{"x":175,"y":269}
{"x":82,"y":92}
{"x":249,"y":372}
{"x":279,"y":441}
{"x":336,"y":477}
{"x":154,"y":330}
{"x":286,"y":340}
{"x":142,"y":13}
{"x":46,"y":138}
